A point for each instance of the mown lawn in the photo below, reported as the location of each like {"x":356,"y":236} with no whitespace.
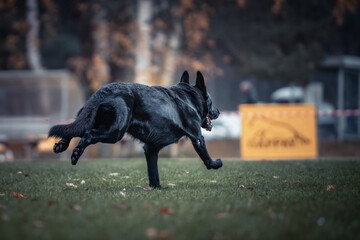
{"x":242,"y":200}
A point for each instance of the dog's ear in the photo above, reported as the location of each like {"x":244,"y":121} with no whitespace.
{"x":185,"y":78}
{"x":200,"y":82}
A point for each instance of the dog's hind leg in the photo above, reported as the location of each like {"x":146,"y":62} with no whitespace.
{"x":91,"y":137}
{"x":152,"y":166}
{"x":111,"y":132}
{"x":62,"y":145}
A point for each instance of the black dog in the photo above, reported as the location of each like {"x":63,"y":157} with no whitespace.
{"x":156,"y":115}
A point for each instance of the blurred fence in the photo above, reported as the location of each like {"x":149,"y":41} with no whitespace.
{"x":31,"y":102}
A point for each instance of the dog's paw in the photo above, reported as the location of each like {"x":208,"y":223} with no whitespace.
{"x":60,"y":147}
{"x":216,"y":164}
{"x":76,"y":155}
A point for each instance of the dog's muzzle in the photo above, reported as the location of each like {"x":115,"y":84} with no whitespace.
{"x":207,"y":124}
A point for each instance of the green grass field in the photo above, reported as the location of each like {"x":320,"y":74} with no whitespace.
{"x":242,"y":200}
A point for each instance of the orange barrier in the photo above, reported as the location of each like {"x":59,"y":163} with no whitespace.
{"x":278,"y":131}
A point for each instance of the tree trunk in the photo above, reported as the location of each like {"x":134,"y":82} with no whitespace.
{"x":143,"y":54}
{"x":32,"y":37}
{"x":99,"y":74}
{"x":170,"y":57}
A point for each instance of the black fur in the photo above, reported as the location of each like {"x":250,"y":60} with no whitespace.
{"x":157,"y":116}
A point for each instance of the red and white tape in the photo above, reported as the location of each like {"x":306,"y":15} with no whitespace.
{"x":322,"y":113}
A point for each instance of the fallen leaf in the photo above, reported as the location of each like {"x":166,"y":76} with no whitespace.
{"x":18,"y":195}
{"x":148,"y":188}
{"x":164,"y":234}
{"x":104,"y":179}
{"x":75,"y":207}
{"x":122,"y":206}
{"x":38,"y":224}
{"x":82,"y":182}
{"x":275,"y":215}
{"x":151,"y":232}
{"x":222,"y":215}
{"x":250,"y":188}
{"x":172,"y":185}
{"x":275,"y":177}
{"x":330,"y":187}
{"x":114,"y":174}
{"x":165,"y":210}
{"x":156,"y":233}
{"x":71,"y":185}
{"x":247,"y":187}
{"x":19,"y":172}
{"x":187,"y":172}
{"x":297,"y":182}
{"x":52,"y":203}
{"x":5,"y":217}
{"x":321,"y":221}
{"x":122,"y":194}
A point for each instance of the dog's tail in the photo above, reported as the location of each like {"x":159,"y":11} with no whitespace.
{"x":85,"y":120}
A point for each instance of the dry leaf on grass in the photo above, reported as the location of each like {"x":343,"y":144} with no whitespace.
{"x":52,"y":203}
{"x":82,"y":182}
{"x":19,"y":195}
{"x":122,"y":206}
{"x":38,"y":224}
{"x":5,"y":217}
{"x":114,"y":174}
{"x":75,"y":207}
{"x":246,"y":187}
{"x":148,"y":188}
{"x":295,"y":183}
{"x":222,"y":215}
{"x":330,"y":187}
{"x":157,"y":233}
{"x":122,"y":194}
{"x":165,"y":210}
{"x":71,"y":185}
{"x":172,"y":185}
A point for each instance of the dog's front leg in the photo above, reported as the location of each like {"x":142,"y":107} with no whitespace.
{"x":200,"y":148}
{"x":152,"y":159}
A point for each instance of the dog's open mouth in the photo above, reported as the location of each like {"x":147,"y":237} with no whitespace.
{"x":207,"y":124}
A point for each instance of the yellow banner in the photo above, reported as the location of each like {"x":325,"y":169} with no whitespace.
{"x":278,"y":131}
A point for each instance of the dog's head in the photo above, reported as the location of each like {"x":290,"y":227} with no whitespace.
{"x":210,"y":111}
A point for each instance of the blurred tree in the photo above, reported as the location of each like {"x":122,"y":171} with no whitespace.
{"x":144,"y":41}
{"x":341,"y":7}
{"x":99,"y":72}
{"x":102,"y":41}
{"x":32,"y":37}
